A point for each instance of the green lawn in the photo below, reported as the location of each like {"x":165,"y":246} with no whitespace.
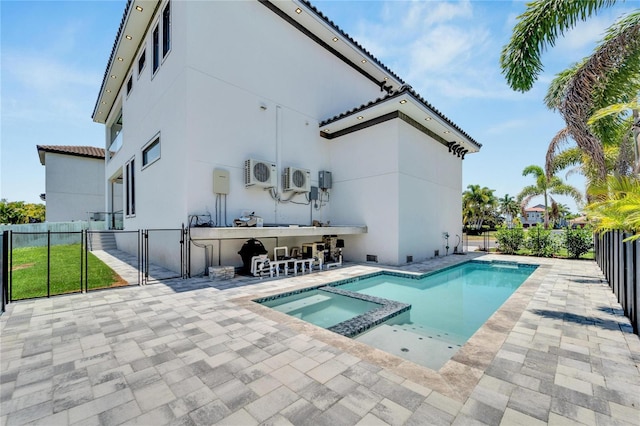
{"x":29,"y":271}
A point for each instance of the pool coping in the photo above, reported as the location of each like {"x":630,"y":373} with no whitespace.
{"x":458,"y":376}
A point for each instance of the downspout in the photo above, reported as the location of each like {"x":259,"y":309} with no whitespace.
{"x":278,"y":151}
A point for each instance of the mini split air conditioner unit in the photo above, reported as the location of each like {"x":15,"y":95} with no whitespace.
{"x":260,"y":173}
{"x":296,"y":180}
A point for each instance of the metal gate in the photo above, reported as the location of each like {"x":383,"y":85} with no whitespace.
{"x":45,"y":264}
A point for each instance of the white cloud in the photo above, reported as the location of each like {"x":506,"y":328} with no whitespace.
{"x":38,"y":73}
{"x":583,"y":36}
{"x":507,"y":127}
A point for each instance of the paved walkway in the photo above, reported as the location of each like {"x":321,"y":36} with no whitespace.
{"x":199,"y":352}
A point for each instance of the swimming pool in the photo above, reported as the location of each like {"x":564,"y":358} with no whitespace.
{"x":424,"y":318}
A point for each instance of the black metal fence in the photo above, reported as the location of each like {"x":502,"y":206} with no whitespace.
{"x":620,"y":263}
{"x":44,"y":264}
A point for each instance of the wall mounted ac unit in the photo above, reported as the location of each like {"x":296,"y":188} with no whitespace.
{"x":297,"y":180}
{"x":260,"y":173}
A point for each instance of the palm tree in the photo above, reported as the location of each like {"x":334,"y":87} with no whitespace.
{"x":478,"y":204}
{"x":545,"y":187}
{"x":509,"y":208}
{"x":617,"y":205}
{"x":610,"y":75}
{"x":558,"y":212}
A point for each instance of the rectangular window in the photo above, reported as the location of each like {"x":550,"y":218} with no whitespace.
{"x":166,"y":29}
{"x":141,"y":62}
{"x":129,"y":84}
{"x":156,"y":48}
{"x":130,"y":188}
{"x":151,"y":152}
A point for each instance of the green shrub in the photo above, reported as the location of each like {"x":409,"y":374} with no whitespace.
{"x":541,"y":242}
{"x":509,"y":240}
{"x":578,"y":241}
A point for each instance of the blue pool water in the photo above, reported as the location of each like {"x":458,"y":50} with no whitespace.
{"x":321,"y":308}
{"x":447,"y":307}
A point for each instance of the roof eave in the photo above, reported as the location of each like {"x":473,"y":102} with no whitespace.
{"x":412,"y":106}
{"x":135,"y":22}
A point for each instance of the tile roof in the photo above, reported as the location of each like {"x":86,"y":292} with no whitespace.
{"x":405,"y":89}
{"x":77,"y":150}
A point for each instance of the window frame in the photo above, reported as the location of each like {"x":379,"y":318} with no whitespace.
{"x":155,"y":141}
{"x":165,"y":17}
{"x":143,"y":57}
{"x":130,"y":188}
{"x":155,"y":49}
{"x":129,"y":84}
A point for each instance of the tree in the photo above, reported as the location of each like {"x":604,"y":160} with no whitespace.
{"x":610,"y":75}
{"x":478,"y":205}
{"x":16,"y":212}
{"x":545,"y":187}
{"x":509,"y":208}
{"x":617,"y":205}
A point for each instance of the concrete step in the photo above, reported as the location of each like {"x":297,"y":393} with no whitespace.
{"x":102,"y":241}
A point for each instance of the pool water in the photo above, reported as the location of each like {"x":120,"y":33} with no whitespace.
{"x":321,"y":308}
{"x":452,"y":303}
{"x":447,"y":307}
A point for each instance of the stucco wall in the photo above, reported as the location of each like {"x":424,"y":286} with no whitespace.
{"x":241,"y":83}
{"x":74,"y":186}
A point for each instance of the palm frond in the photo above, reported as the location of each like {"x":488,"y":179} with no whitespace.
{"x":615,"y":62}
{"x":538,"y":27}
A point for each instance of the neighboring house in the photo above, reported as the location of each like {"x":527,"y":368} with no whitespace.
{"x":74,"y":181}
{"x":533,"y":215}
{"x":194,"y":92}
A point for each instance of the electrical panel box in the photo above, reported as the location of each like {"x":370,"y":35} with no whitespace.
{"x":313,"y":193}
{"x":220,"y":181}
{"x":324,"y":179}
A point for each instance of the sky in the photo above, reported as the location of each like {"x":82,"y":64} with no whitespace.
{"x":53,"y":55}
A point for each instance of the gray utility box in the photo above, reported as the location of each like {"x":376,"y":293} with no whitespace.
{"x":324,"y":179}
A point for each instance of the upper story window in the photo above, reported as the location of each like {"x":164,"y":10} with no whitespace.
{"x":130,"y":84}
{"x":166,"y":29}
{"x":151,"y":153}
{"x":155,"y":41}
{"x":142,"y":61}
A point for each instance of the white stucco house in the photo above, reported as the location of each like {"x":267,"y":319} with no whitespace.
{"x":74,"y":181}
{"x":533,"y":215}
{"x":224,"y":108}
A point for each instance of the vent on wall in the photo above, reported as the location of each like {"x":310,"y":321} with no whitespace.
{"x":296,"y":180}
{"x":372,"y":258}
{"x":260,"y":173}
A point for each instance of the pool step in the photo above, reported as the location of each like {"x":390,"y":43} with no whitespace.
{"x":304,"y":302}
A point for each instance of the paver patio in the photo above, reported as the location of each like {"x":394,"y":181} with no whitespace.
{"x":199,"y":352}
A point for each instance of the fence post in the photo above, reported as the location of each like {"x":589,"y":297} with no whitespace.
{"x":48,"y":263}
{"x":636,"y":285}
{"x":4,"y":262}
{"x":81,"y":251}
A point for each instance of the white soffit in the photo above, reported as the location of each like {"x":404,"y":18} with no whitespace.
{"x":409,"y":106}
{"x":129,"y":39}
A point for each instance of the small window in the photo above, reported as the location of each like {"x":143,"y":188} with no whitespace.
{"x":129,"y":84}
{"x":151,"y":152}
{"x":166,"y":29}
{"x":130,"y":188}
{"x":156,"y":48}
{"x":142,"y":61}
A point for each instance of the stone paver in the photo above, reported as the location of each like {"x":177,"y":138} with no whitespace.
{"x":199,"y":352}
